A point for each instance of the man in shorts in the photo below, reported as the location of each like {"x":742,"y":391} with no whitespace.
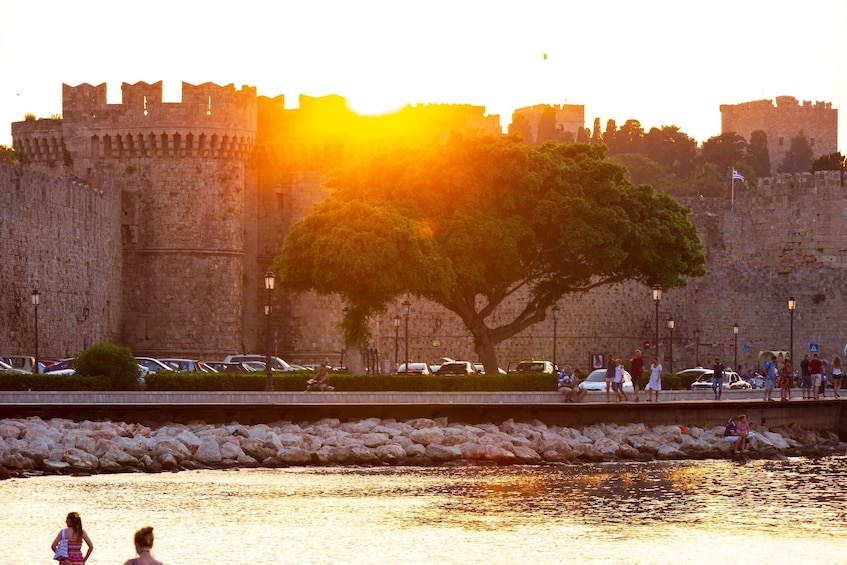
{"x":770,"y":378}
{"x":816,"y":369}
{"x":717,"y":378}
{"x":805,"y":377}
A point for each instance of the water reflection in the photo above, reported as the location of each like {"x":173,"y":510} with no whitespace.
{"x":673,"y":512}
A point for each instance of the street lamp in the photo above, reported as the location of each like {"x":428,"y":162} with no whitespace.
{"x":396,"y":338}
{"x":657,"y":296}
{"x":670,"y":359}
{"x":269,"y":287}
{"x":555,"y":311}
{"x":792,"y":305}
{"x":735,"y":347}
{"x":35,"y":299}
{"x":406,"y":307}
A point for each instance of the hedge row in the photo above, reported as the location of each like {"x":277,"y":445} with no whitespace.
{"x":296,"y":381}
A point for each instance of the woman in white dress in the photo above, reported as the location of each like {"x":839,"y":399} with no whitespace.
{"x":655,"y":384}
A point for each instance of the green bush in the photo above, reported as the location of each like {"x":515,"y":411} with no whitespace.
{"x":108,"y":360}
{"x":17,"y":382}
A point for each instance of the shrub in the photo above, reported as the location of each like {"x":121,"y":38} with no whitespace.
{"x":113,"y":361}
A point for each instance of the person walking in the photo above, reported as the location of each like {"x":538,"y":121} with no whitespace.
{"x":655,"y":384}
{"x":816,"y":369}
{"x":636,"y":371}
{"x":786,"y":374}
{"x":770,"y":378}
{"x":618,"y":382}
{"x":610,"y":377}
{"x":805,"y":377}
{"x":75,"y":536}
{"x":717,"y":378}
{"x":836,"y":375}
{"x":143,"y":547}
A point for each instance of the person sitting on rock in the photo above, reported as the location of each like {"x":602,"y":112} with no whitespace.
{"x":730,"y":433}
{"x":568,"y":386}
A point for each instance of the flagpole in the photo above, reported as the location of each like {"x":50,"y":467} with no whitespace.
{"x":732,"y":198}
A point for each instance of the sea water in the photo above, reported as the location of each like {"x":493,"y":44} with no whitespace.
{"x":711,"y":511}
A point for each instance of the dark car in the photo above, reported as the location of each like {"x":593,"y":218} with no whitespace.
{"x":456,"y":368}
{"x":228,"y":367}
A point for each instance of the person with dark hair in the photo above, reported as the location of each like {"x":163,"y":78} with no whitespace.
{"x":143,"y":547}
{"x":75,"y":535}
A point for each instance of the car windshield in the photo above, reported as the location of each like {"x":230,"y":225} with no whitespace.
{"x":595,"y":376}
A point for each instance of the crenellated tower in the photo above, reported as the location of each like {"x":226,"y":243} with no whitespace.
{"x":182,"y":172}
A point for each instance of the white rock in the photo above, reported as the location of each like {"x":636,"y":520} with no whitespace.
{"x":208,"y":451}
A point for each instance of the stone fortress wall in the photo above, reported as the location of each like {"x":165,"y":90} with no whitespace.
{"x":183,"y":207}
{"x":783,"y":121}
{"x":59,"y":235}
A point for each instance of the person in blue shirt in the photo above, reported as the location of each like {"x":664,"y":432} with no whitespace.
{"x":770,"y":377}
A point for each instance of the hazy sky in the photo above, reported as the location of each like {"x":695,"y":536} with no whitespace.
{"x":660,"y":62}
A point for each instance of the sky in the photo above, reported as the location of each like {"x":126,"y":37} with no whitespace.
{"x":660,"y":62}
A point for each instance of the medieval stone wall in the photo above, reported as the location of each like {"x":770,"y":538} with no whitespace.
{"x":58,"y":235}
{"x":150,"y":224}
{"x":783,"y":121}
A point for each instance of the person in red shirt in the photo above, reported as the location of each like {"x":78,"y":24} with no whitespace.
{"x":816,"y":368}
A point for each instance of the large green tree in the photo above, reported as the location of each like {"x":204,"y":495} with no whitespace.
{"x":799,"y":156}
{"x":474,"y":222}
{"x":758,"y":156}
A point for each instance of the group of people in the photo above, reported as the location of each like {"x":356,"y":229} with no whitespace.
{"x":72,"y":537}
{"x":812,"y":377}
{"x":738,"y":431}
{"x":615,"y":378}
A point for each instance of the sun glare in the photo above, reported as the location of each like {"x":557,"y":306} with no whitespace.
{"x":375,"y":106}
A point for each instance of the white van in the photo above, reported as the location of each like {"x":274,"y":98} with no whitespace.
{"x":277,"y":364}
{"x":22,"y":362}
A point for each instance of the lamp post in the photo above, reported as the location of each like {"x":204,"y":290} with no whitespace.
{"x":269,"y":287}
{"x":697,"y":347}
{"x":670,"y":358}
{"x":396,"y":338}
{"x":406,"y":307}
{"x":735,"y":346}
{"x":35,"y":299}
{"x":792,"y":305}
{"x":657,"y":296}
{"x":555,"y":311}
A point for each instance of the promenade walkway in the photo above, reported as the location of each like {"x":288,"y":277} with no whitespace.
{"x":675,"y":408}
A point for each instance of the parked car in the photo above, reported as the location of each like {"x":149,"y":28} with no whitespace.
{"x":596,"y":381}
{"x":480,"y":368}
{"x":63,"y":367}
{"x":696,"y":372}
{"x":456,"y":368}
{"x":6,"y":368}
{"x":277,"y":364}
{"x":23,"y":362}
{"x":153,"y":365}
{"x":531,"y":366}
{"x":186,"y":365}
{"x":228,"y":367}
{"x":258,"y":366}
{"x":732,"y":381}
{"x":414,"y":369}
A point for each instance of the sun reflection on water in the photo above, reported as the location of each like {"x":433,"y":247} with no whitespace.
{"x":665,"y":512}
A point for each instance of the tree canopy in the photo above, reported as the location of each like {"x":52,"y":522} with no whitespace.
{"x":475,"y":221}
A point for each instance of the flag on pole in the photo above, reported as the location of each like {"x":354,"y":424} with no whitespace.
{"x":737,"y":176}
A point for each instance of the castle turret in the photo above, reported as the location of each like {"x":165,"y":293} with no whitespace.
{"x":181,"y":170}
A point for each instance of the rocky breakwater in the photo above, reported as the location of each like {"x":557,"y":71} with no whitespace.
{"x":34,"y":446}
